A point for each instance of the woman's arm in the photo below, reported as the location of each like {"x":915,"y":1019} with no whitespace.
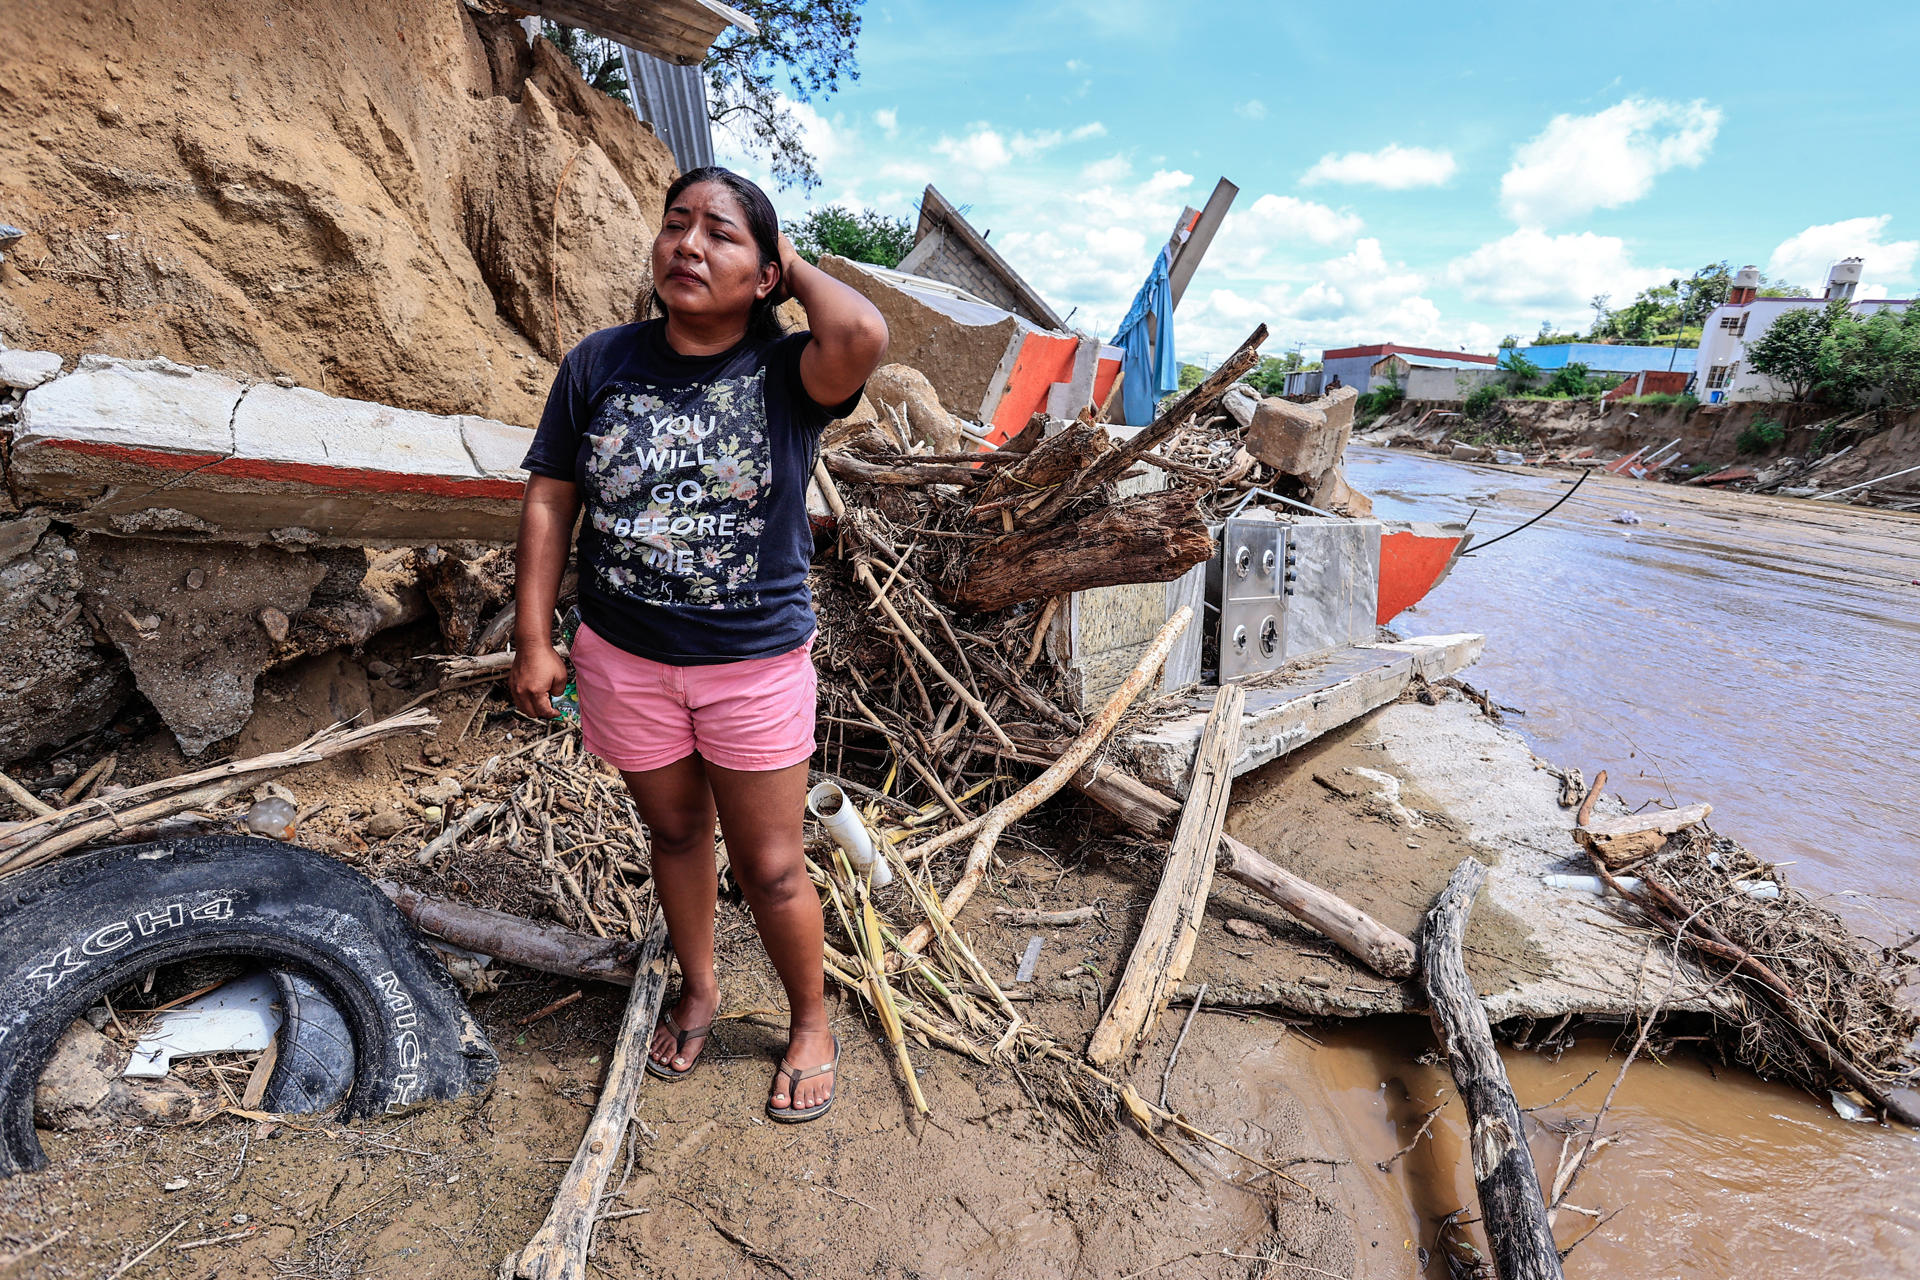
{"x":546,"y":527}
{"x":849,"y":335}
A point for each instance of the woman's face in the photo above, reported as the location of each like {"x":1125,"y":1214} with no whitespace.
{"x":705,"y":263}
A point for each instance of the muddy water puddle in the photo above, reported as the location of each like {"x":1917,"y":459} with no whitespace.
{"x":1755,"y":653}
{"x":1711,"y":1174}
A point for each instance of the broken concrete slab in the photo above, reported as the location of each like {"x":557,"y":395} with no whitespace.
{"x":25,"y":370}
{"x":298,"y":427}
{"x":57,"y":682}
{"x":957,"y":342}
{"x":1301,"y":440}
{"x":152,"y":448}
{"x":1295,"y":705}
{"x":1536,"y":951}
{"x":196,"y":651}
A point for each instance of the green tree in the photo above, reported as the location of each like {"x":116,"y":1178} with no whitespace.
{"x":1522,"y":373}
{"x":808,"y":44}
{"x":802,"y":50}
{"x":597,"y":57}
{"x":866,"y":236}
{"x":1269,"y":377}
{"x":1704,"y":290}
{"x":1191,"y":376}
{"x":1876,"y":357}
{"x":1789,"y":351}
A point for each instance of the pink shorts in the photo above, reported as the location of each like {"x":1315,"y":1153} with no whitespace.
{"x":638,"y":714}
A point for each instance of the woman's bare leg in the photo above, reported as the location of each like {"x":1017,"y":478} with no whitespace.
{"x":677,"y":805}
{"x":760,"y":815}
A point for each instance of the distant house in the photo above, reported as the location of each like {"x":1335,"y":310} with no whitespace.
{"x":1355,"y":366}
{"x":1737,"y":324}
{"x":1608,"y":357}
{"x":1444,"y":378}
{"x":947,"y":248}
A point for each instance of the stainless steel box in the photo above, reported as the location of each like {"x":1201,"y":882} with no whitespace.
{"x":1291,"y":589}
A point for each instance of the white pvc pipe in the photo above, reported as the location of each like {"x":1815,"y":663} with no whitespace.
{"x":836,"y":813}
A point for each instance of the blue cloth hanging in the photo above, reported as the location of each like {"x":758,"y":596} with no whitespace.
{"x":1148,"y":363}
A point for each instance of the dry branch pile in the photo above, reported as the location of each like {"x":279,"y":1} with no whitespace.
{"x":1820,"y":1010}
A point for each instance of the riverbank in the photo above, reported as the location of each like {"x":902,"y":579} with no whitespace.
{"x":997,"y":1180}
{"x":1792,"y":449}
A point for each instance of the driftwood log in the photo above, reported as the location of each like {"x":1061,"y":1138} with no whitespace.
{"x":1107,"y":466}
{"x":1512,"y":1209}
{"x":27,"y":844}
{"x":1153,"y":537}
{"x":1172,"y":925}
{"x":558,"y":1251}
{"x":1140,"y":806}
{"x":548,"y":948}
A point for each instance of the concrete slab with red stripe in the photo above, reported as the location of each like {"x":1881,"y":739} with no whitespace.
{"x":152,"y":448}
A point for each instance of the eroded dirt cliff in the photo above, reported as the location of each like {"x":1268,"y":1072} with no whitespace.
{"x":392,"y":200}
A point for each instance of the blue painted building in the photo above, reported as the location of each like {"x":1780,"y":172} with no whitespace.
{"x":1607,"y":357}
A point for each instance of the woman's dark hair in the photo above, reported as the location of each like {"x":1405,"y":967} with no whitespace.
{"x":763,"y":224}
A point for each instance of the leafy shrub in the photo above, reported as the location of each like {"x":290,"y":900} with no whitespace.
{"x":866,"y":236}
{"x":1522,"y":372}
{"x":1660,"y":399}
{"x":1762,"y":435}
{"x":1481,"y":401}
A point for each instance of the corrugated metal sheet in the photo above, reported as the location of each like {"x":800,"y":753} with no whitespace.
{"x":1610,"y":357}
{"x":673,"y":99}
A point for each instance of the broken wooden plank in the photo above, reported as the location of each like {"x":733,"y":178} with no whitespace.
{"x":1620,"y":841}
{"x":1172,"y":925}
{"x":1512,"y":1210}
{"x":558,"y":1251}
{"x":1345,"y":925}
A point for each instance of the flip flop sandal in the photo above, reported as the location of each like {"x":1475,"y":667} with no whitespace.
{"x":680,"y":1038}
{"x":793,"y":1115}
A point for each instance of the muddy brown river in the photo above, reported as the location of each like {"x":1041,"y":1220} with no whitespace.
{"x":1755,"y":653}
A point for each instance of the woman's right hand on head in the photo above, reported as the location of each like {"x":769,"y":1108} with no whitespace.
{"x":539,"y":676}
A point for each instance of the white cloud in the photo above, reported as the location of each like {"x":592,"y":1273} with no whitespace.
{"x":982,"y":149}
{"x":1111,"y":169}
{"x":1075,"y":65}
{"x":1554,"y":276}
{"x":1581,"y":163}
{"x":889,"y":121}
{"x":1393,"y":167}
{"x":1275,"y":222}
{"x":985,"y":148}
{"x":1251,"y":109}
{"x":1803,"y":258}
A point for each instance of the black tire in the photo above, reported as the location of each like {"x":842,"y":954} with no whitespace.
{"x":76,"y":928}
{"x":314,"y":1072}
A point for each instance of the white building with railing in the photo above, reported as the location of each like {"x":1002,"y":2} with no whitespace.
{"x":1722,"y":370}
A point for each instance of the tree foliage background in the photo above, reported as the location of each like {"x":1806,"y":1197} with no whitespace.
{"x":810,"y":44}
{"x":865,"y":236}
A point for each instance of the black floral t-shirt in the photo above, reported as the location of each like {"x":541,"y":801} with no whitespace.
{"x":693,"y":473}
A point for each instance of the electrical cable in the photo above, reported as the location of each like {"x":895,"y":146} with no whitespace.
{"x":1542,"y":516}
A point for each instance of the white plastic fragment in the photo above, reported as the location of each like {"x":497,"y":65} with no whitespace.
{"x":830,"y":805}
{"x":240,"y":1017}
{"x":1029,"y":960}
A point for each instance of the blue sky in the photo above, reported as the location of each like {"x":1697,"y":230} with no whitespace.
{"x":1440,"y":175}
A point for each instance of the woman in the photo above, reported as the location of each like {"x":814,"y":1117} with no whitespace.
{"x":690,"y":441}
